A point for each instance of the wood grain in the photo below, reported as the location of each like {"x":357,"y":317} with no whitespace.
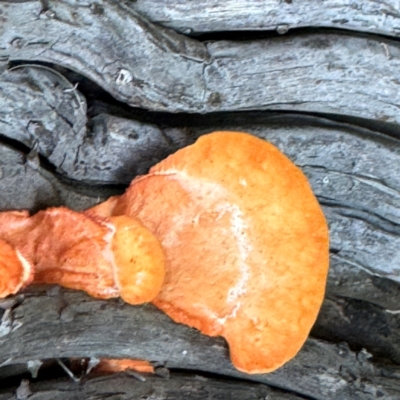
{"x":70,"y":324}
{"x":126,"y":387}
{"x":151,"y":67}
{"x":191,"y":17}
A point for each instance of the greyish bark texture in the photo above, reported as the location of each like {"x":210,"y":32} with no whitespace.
{"x":120,"y":387}
{"x":191,"y":17}
{"x":73,"y":325}
{"x":148,"y":66}
{"x":93,"y":93}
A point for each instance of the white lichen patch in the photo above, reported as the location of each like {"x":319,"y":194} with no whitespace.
{"x":124,"y":77}
{"x":33,"y":367}
{"x":6,"y":323}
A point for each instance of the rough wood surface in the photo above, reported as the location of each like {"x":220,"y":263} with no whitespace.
{"x":125,"y":387}
{"x":42,"y":110}
{"x":191,"y":17}
{"x":72,"y":325}
{"x":361,"y":325}
{"x":148,"y":66}
{"x":25,"y":184}
{"x":116,"y":51}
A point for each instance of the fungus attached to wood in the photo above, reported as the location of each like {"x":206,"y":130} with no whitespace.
{"x":245,"y":240}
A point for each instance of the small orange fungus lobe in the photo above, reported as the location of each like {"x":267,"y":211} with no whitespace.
{"x":109,"y":365}
{"x":246,"y":244}
{"x":139,"y":260}
{"x":15,"y":270}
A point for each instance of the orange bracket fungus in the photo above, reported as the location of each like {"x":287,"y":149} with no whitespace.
{"x":106,"y":257}
{"x":245,"y":240}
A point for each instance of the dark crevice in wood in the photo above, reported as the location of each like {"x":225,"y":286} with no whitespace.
{"x":49,"y":370}
{"x":242,"y":118}
{"x":250,"y":118}
{"x":14,"y":144}
{"x":254,"y":35}
{"x":386,"y":128}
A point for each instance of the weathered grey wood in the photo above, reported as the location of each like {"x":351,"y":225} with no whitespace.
{"x":148,"y":66}
{"x":25,"y":184}
{"x":70,"y":324}
{"x":38,"y":102}
{"x":125,"y":387}
{"x":360,"y":324}
{"x":16,"y":173}
{"x":191,"y":17}
{"x":136,"y":61}
{"x":42,"y":110}
{"x":321,"y":73}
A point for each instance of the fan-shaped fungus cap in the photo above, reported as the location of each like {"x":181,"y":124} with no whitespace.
{"x":104,"y":257}
{"x":246,"y":245}
{"x":15,"y":270}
